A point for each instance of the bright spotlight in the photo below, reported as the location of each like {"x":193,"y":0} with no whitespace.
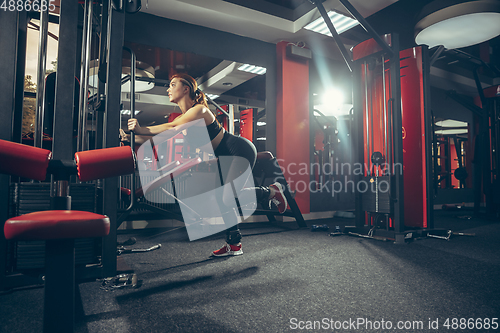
{"x":333,"y":98}
{"x":332,"y":103}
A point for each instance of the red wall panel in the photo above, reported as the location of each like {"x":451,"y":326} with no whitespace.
{"x":292,"y":123}
{"x":246,"y":124}
{"x":414,"y":150}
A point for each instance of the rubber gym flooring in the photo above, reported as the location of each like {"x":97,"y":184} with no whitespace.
{"x":292,"y":280}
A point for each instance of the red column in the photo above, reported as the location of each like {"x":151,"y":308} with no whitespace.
{"x":414,"y":149}
{"x":246,"y":124}
{"x":292,"y":124}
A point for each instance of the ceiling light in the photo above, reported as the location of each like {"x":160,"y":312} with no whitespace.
{"x":212,"y":96}
{"x":261,"y":139}
{"x":451,"y":131}
{"x":261,"y":123}
{"x":462,"y":24}
{"x":127,"y":112}
{"x":451,"y":123}
{"x":341,"y":23}
{"x":252,"y":69}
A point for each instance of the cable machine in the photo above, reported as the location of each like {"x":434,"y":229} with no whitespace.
{"x":109,"y":24}
{"x":391,"y":125}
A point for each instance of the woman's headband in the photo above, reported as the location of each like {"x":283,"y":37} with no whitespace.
{"x":188,"y":84}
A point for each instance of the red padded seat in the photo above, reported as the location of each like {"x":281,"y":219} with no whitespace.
{"x":56,"y":224}
{"x":265,"y":155}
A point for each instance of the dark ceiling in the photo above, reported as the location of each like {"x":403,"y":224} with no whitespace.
{"x":400,"y":18}
{"x":290,"y":4}
{"x":286,"y":9}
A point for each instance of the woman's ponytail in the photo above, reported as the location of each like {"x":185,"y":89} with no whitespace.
{"x":200,"y":98}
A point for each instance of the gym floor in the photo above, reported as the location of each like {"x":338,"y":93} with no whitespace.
{"x":290,"y":280}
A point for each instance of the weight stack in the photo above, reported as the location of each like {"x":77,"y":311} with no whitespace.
{"x":375,"y":198}
{"x":32,"y":197}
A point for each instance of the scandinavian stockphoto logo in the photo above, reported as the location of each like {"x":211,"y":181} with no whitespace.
{"x":338,"y":177}
{"x":211,"y":192}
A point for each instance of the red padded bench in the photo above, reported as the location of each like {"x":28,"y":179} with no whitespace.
{"x":60,"y":227}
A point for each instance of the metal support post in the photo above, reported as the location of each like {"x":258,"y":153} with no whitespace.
{"x":429,"y":136}
{"x":8,"y":53}
{"x":40,"y":86}
{"x":101,"y":85}
{"x":84,"y":73}
{"x":65,"y":82}
{"x":399,"y":225}
{"x":357,"y":138}
{"x":17,"y":122}
{"x":116,"y":25}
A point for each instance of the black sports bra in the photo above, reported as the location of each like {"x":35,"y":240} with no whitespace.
{"x":214,"y":129}
{"x":195,"y":134}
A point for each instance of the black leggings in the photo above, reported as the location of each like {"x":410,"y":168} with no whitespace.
{"x":232,"y":145}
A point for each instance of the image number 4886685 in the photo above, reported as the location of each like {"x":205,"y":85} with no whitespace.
{"x":27,"y":5}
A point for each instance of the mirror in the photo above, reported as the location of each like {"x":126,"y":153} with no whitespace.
{"x":231,"y":85}
{"x":453,"y":154}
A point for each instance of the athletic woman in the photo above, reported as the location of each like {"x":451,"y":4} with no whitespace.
{"x":184,"y":92}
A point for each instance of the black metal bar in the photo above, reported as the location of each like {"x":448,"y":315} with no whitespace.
{"x":480,"y":91}
{"x":429,"y":136}
{"x":83,"y":78}
{"x":100,"y":84}
{"x":17,"y":122}
{"x":436,"y":55}
{"x":261,"y":114}
{"x":335,"y":35}
{"x":59,"y":314}
{"x":466,"y":103}
{"x":132,"y":116}
{"x":65,"y":82}
{"x":484,"y":147}
{"x":399,"y":225}
{"x":217,"y":106}
{"x":367,"y":116}
{"x":357,"y":138}
{"x":116,"y":25}
{"x":40,"y":86}
{"x":125,"y":79}
{"x":484,"y":64}
{"x":8,"y":53}
{"x":365,"y":25}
